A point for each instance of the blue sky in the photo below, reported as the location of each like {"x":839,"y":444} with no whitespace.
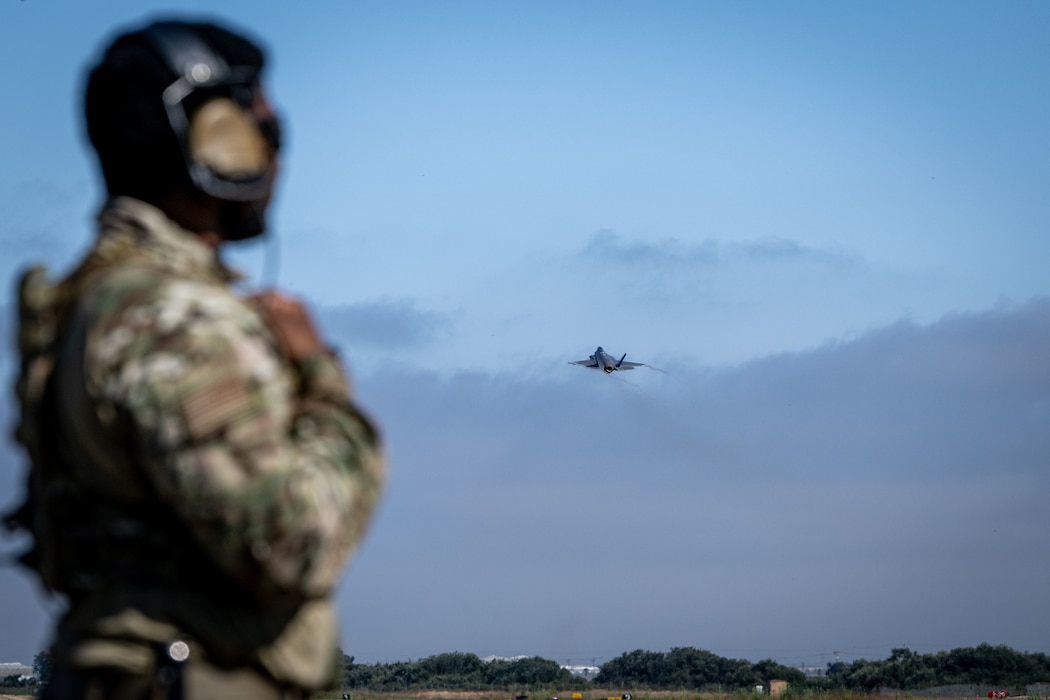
{"x":826,"y":222}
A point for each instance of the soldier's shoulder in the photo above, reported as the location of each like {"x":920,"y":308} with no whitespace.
{"x":135,"y":286}
{"x":185,"y":311}
{"x":121,"y":286}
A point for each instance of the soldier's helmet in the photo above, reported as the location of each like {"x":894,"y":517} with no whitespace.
{"x":176,"y":104}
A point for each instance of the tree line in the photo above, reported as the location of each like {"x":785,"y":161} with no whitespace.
{"x":680,"y":669}
{"x":686,"y":667}
{"x":698,"y":669}
{"x":459,"y":671}
{"x":981,"y":665}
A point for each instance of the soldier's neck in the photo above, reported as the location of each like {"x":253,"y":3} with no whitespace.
{"x":196,"y":213}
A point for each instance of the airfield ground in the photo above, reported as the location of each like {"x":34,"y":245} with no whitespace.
{"x":605,"y":694}
{"x":611,"y":694}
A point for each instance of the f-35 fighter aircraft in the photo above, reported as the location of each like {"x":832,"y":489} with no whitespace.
{"x":601,"y":360}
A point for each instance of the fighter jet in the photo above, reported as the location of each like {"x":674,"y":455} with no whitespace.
{"x":601,"y":360}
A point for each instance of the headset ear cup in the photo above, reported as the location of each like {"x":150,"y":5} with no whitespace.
{"x":224,"y":137}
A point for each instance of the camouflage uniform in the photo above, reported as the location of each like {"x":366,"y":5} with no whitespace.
{"x":199,"y":486}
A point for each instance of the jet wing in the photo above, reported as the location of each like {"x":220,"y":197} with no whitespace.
{"x":629,"y":365}
{"x":586,"y":363}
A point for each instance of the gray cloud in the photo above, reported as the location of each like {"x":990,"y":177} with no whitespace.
{"x":784,"y":249}
{"x":384,"y":324}
{"x":610,"y":247}
{"x":852,"y":496}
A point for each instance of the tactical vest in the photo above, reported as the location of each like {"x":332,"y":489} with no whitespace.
{"x":67,"y":519}
{"x":41,"y":312}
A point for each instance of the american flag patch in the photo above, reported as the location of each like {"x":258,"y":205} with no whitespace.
{"x":212,"y":408}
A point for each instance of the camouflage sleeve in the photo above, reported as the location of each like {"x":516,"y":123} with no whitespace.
{"x":272,"y":468}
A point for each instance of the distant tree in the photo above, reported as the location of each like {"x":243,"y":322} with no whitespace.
{"x":993,"y":665}
{"x":867,"y":675}
{"x":738,"y":673}
{"x":15,"y":681}
{"x":768,"y":670}
{"x":403,"y":675}
{"x":363,"y":675}
{"x":834,"y":674}
{"x":634,"y":668}
{"x":340,"y":664}
{"x":529,"y":672}
{"x":906,"y":669}
{"x":686,"y":667}
{"x":452,"y":670}
{"x":42,"y":666}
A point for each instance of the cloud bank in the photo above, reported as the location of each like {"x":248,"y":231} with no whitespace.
{"x":867,"y":494}
{"x":882,"y":491}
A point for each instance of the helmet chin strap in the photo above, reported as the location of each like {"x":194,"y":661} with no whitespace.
{"x":242,"y":221}
{"x":271,"y":260}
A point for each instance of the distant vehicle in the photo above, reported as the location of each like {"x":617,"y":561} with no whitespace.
{"x":603,"y":361}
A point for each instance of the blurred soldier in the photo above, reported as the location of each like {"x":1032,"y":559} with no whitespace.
{"x":199,"y":473}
